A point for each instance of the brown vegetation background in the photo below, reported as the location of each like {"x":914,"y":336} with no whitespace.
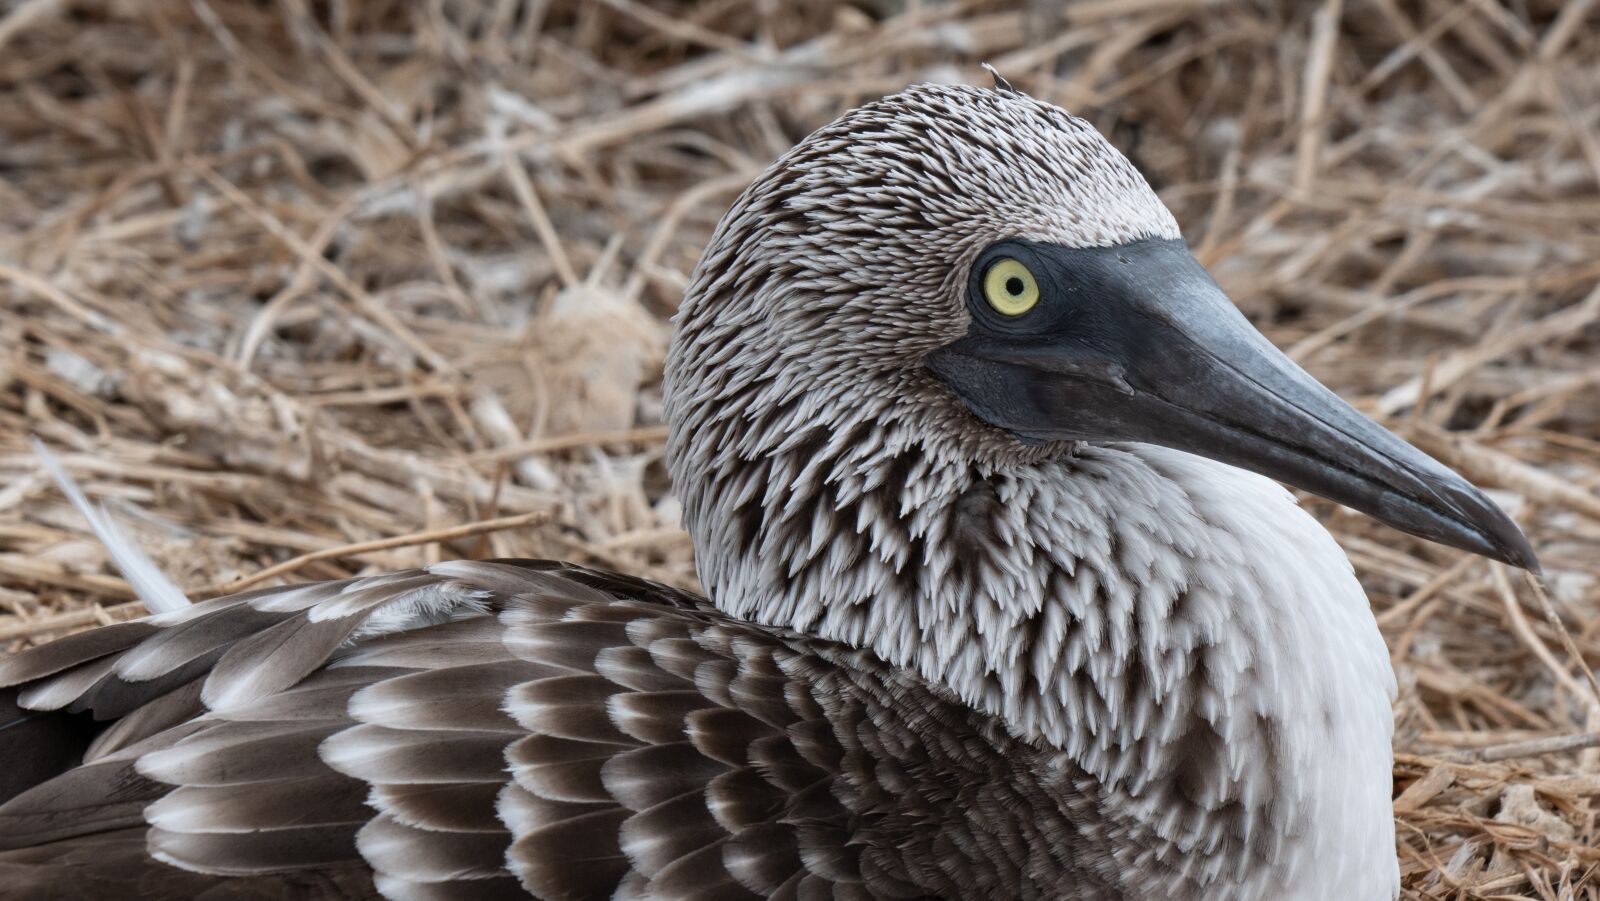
{"x":362,"y":284}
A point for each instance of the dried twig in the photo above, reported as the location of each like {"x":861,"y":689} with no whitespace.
{"x":383,"y":544}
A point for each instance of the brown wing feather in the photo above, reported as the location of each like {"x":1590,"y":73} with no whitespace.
{"x":442,"y":806}
{"x":107,"y":794}
{"x":436,"y":647}
{"x":49,"y":659}
{"x":165,"y":712}
{"x":467,"y":697}
{"x":117,"y":866}
{"x":383,"y":756}
{"x":64,"y":689}
{"x":563,"y":769}
{"x":191,"y":638}
{"x":258,"y":852}
{"x":273,"y":659}
{"x":321,"y":799}
{"x":431,"y":855}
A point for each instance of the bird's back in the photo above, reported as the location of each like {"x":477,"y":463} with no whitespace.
{"x":494,"y":729}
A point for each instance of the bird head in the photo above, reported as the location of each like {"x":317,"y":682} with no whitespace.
{"x":983,"y":275}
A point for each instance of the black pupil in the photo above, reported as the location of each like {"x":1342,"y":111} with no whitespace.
{"x":1014,"y":286}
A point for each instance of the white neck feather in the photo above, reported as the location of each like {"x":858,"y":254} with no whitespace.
{"x":1182,"y":629}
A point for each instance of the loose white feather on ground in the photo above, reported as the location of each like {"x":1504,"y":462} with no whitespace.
{"x":158,"y":592}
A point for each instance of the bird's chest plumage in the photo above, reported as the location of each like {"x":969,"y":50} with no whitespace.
{"x":1193,"y":645}
{"x":1221,"y":676}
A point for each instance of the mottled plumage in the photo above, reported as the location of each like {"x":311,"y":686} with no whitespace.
{"x":571,"y":733}
{"x":969,"y":631}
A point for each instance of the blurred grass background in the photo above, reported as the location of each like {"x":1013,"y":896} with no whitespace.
{"x":331,"y":287}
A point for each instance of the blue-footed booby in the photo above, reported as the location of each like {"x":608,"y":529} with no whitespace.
{"x":1001,"y":600}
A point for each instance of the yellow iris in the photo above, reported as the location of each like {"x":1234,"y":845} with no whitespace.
{"x":1009,"y":287}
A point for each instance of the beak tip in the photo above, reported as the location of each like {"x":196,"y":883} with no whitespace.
{"x":1517,"y":551}
{"x":1497,"y":535}
{"x":1518,"y":555}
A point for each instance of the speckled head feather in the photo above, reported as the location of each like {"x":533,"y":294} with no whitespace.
{"x":1105,"y":600}
{"x":845,"y":263}
{"x":795,"y":381}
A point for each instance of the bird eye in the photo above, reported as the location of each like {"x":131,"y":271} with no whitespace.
{"x":1009,"y":287}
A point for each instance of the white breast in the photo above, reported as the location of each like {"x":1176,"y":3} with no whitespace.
{"x":1182,"y":629}
{"x":1318,"y":669}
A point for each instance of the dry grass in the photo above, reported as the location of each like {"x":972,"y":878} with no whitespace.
{"x":324,"y":283}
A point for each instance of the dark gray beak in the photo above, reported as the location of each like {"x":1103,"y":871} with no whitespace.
{"x":1137,"y":343}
